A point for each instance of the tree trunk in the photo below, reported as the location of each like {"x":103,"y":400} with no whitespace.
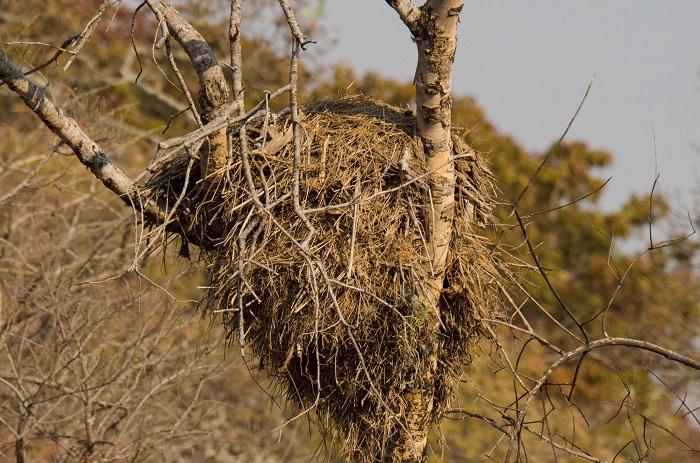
{"x":434,"y":28}
{"x":214,"y":96}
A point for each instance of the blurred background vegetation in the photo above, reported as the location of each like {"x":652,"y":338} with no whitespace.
{"x":98,"y":365}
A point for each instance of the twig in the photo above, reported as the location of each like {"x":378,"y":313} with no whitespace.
{"x":588,"y":347}
{"x":59,"y":51}
{"x":571,"y":203}
{"x":563,"y":448}
{"x":181,"y":80}
{"x":542,"y":272}
{"x":87,"y":32}
{"x":554,"y":148}
{"x":214,"y":89}
{"x":26,"y":179}
{"x":358,"y":193}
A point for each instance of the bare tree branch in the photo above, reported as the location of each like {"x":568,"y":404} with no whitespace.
{"x":588,"y":347}
{"x":556,"y":145}
{"x":84,"y":36}
{"x":293,"y":24}
{"x":87,"y":151}
{"x":214,"y":93}
{"x":234,"y":37}
{"x":542,"y":272}
{"x":408,"y":12}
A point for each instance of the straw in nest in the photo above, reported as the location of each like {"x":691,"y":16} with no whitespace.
{"x":339,"y":326}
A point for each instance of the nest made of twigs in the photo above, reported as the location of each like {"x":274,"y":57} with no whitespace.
{"x":335,"y":316}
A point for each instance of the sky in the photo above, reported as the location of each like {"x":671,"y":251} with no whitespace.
{"x":529,"y":63}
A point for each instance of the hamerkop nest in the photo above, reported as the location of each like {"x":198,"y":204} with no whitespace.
{"x":336,"y":320}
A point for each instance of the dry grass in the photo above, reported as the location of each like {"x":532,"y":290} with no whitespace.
{"x":334,"y":316}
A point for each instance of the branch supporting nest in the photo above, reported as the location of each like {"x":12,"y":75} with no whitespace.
{"x":319,"y":265}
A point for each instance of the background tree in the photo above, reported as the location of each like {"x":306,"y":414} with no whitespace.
{"x":571,"y":229}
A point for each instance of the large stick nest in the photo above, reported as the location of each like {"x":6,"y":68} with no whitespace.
{"x":337,"y":319}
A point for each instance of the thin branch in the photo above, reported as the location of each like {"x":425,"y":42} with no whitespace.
{"x":546,"y":278}
{"x":234,"y":36}
{"x":299,"y":36}
{"x":181,"y":81}
{"x":588,"y":347}
{"x":683,"y":402}
{"x":59,"y":51}
{"x":555,"y":147}
{"x":214,"y":91}
{"x":87,"y":32}
{"x":297,"y":46}
{"x":353,"y":235}
{"x":563,"y":448}
{"x":571,"y":203}
{"x":26,"y":180}
{"x":409,"y":14}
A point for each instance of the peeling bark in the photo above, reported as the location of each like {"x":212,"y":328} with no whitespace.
{"x":434,"y":28}
{"x":437,"y":43}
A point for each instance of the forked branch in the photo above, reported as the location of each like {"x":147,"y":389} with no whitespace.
{"x":214,"y":92}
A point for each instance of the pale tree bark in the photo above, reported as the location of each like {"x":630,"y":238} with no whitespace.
{"x":214,"y":94}
{"x":434,"y":28}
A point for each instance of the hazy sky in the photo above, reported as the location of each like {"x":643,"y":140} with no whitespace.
{"x":528,"y":63}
